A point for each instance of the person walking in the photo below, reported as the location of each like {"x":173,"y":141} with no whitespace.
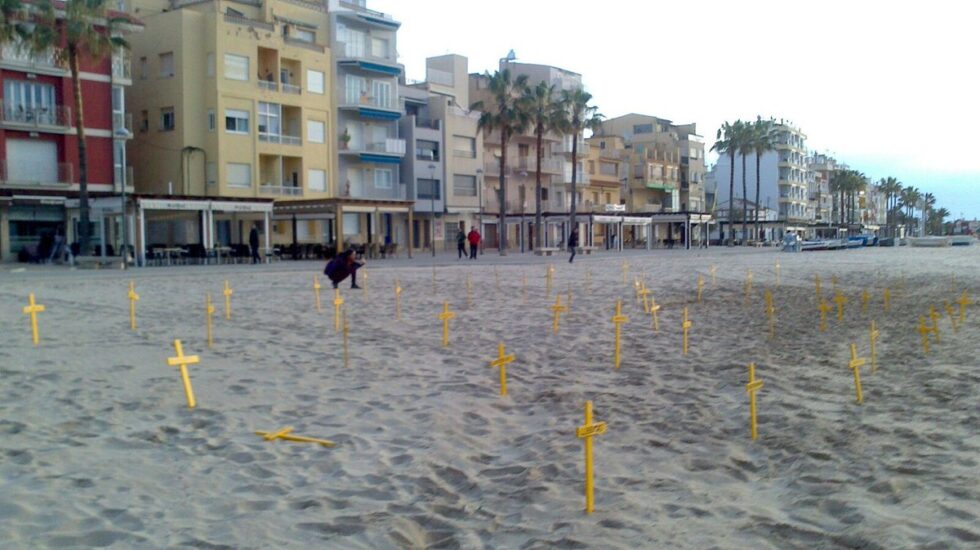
{"x":474,"y":238}
{"x":572,"y":243}
{"x":341,"y":266}
{"x":253,"y":242}
{"x":460,"y":243}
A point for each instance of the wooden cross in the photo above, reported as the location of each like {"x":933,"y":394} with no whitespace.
{"x":888,"y":299}
{"x":285,"y":434}
{"x":963,"y":301}
{"x":209,"y":313}
{"x":855,"y":365}
{"x":337,"y":302}
{"x":501,"y":362}
{"x":865,"y":298}
{"x":824,"y":308}
{"x":700,"y":287}
{"x":935,"y":322}
{"x":644,"y":292}
{"x":840,"y":300}
{"x":618,"y":321}
{"x":316,"y":292}
{"x":227,"y":292}
{"x":771,"y":314}
{"x":816,"y":280}
{"x":182,"y":361}
{"x":952,"y":316}
{"x":398,"y":300}
{"x":654,"y":308}
{"x":586,"y":432}
{"x":133,"y":298}
{"x":558,"y":309}
{"x":445,"y":316}
{"x":685,"y":326}
{"x":713,"y":269}
{"x":875,"y":333}
{"x":924,"y":330}
{"x":346,"y":337}
{"x":751,"y":388}
{"x":33,"y":309}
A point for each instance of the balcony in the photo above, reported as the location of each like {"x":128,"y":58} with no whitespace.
{"x":268,"y":85}
{"x":287,"y":189}
{"x":122,"y":124}
{"x":65,"y":177}
{"x":44,"y":119}
{"x":651,"y":207}
{"x":239,"y":20}
{"x":346,"y":50}
{"x":361,"y":190}
{"x":45,"y":62}
{"x":387,"y":146}
{"x":291,"y":89}
{"x":530,"y":164}
{"x":283,"y":139}
{"x":122,"y":65}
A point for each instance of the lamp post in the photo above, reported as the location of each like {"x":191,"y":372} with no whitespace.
{"x":432,"y":195}
{"x":479,"y":190}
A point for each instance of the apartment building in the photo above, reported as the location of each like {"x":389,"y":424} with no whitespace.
{"x":820,"y":170}
{"x":232,"y":110}
{"x":692,"y":169}
{"x":606,"y":166}
{"x":39,"y":163}
{"x":654,"y":156}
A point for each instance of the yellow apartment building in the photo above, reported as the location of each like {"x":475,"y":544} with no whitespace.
{"x":606,"y":166}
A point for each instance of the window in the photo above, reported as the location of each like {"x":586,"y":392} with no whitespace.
{"x":382,"y":94}
{"x":315,"y":131}
{"x":238,"y":175}
{"x":354,"y":88}
{"x":210,"y":68}
{"x":383,"y":178}
{"x":142,"y":68}
{"x":602,"y":145}
{"x":643,"y":128}
{"x":428,"y":188}
{"x":236,"y":67}
{"x":211,"y":120}
{"x":464,"y":147}
{"x":426,"y":150}
{"x":352,"y":223}
{"x":523,"y":149}
{"x":464,"y":186}
{"x":212,"y":175}
{"x":269,"y":119}
{"x":379,"y":47}
{"x":316,"y":180}
{"x":31,"y":102}
{"x":314,"y":82}
{"x":236,"y":122}
{"x":144,"y":121}
{"x":118,"y":155}
{"x":544,"y":193}
{"x":166,"y":65}
{"x":302,"y":35}
{"x":167,"y":120}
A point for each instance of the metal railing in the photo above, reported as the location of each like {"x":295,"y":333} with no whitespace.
{"x":396,"y":192}
{"x":56,"y":116}
{"x":345,"y":49}
{"x":122,"y":123}
{"x":48,"y":59}
{"x":269,"y":85}
{"x":249,"y":22}
{"x":291,"y":89}
{"x":66,"y":176}
{"x":122,"y":65}
{"x":300,"y":43}
{"x":281,"y":138}
{"x":286,"y":189}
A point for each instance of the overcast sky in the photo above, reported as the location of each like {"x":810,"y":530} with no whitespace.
{"x":891,"y":88}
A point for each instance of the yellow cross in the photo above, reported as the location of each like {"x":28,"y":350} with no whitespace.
{"x":133,"y":298}
{"x":924,"y":330}
{"x":751,"y":388}
{"x":182,"y":361}
{"x":227,"y":292}
{"x":888,"y":299}
{"x":855,"y":365}
{"x":824,"y":308}
{"x":952,"y":316}
{"x":549,"y":275}
{"x":337,"y":302}
{"x":700,"y":287}
{"x":33,"y":309}
{"x":469,"y":291}
{"x":963,"y":301}
{"x":654,"y":308}
{"x":496,"y":276}
{"x":316,"y":292}
{"x":501,"y":362}
{"x":840,"y":300}
{"x":875,"y":333}
{"x":587,"y":431}
{"x":346,"y":337}
{"x":771,"y":314}
{"x":558,"y":309}
{"x":285,"y":434}
{"x":208,"y":313}
{"x":713,"y":269}
{"x":865,"y":298}
{"x":445,"y":316}
{"x":644,"y":292}
{"x":935,"y":322}
{"x":618,"y":321}
{"x":398,"y":300}
{"x":685,"y":326}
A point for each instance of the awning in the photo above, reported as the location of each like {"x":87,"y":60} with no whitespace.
{"x":380,"y":159}
{"x":661,"y":186}
{"x":378,"y":114}
{"x":373,"y":67}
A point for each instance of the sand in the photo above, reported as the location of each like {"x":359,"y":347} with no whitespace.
{"x":99,"y":447}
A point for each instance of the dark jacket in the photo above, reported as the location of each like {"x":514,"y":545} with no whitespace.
{"x":573,"y":240}
{"x":461,"y":238}
{"x":341,"y":266}
{"x":253,"y":238}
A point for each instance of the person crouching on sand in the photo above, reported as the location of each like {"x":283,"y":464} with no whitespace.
{"x":341,"y":266}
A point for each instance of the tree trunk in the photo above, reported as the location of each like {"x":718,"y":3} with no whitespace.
{"x":502,"y":230}
{"x":745,"y":205}
{"x":537,"y":190}
{"x":83,"y":206}
{"x":758,"y":159}
{"x":731,"y":199}
{"x":571,"y":217}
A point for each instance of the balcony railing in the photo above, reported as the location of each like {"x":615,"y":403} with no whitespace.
{"x":432,"y":124}
{"x":122,"y":65}
{"x":299,"y":42}
{"x":285,"y":190}
{"x":66,"y":176}
{"x":345,"y":49}
{"x":291,"y":89}
{"x":269,"y":85}
{"x":238,"y":20}
{"x":122,"y":124}
{"x":281,"y":138}
{"x":549,"y":165}
{"x":396,"y":192}
{"x":12,"y":55}
{"x":57,"y":116}
{"x":367,"y":101}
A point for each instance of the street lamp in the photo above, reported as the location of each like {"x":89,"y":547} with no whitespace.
{"x":479,"y":183}
{"x":432,"y":195}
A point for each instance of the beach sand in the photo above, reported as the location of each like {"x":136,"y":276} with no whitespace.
{"x":99,"y":448}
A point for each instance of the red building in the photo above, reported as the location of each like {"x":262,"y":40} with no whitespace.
{"x":39,"y":165}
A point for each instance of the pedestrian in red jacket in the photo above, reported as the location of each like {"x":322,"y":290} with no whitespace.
{"x":474,"y":238}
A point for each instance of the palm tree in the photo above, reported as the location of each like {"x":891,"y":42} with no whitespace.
{"x":726,"y":143}
{"x":12,"y":23}
{"x":838,"y":186}
{"x":891,"y":188}
{"x":577,"y":116}
{"x":744,"y":149}
{"x":910,"y":199}
{"x":543,"y":110}
{"x":937,"y":220}
{"x":78,"y":29}
{"x":503,"y":114}
{"x":761,"y":140}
